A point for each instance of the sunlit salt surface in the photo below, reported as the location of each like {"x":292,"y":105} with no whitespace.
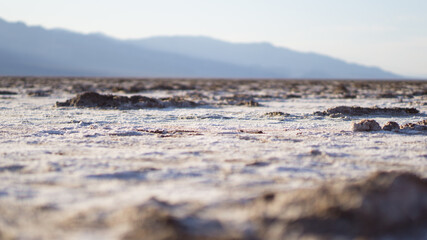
{"x":77,"y":160}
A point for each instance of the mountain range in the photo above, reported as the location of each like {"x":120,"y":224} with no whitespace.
{"x":31,"y":50}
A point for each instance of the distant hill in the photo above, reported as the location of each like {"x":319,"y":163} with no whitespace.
{"x":278,"y":60}
{"x":26,"y":50}
{"x":36,"y":51}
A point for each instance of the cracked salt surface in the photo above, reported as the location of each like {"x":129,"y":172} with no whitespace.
{"x":79,"y":160}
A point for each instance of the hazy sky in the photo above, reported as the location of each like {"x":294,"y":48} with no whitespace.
{"x":391,"y":34}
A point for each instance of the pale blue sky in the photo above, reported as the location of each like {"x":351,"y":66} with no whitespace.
{"x":391,"y":34}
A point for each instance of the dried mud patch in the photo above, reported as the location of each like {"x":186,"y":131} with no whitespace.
{"x":96,"y":100}
{"x":109,"y":101}
{"x":388,"y":204}
{"x":361,"y":111}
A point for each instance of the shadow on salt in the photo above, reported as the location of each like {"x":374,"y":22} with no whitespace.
{"x":296,"y":171}
{"x":125,"y":175}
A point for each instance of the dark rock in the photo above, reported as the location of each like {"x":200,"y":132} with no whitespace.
{"x":11,"y":168}
{"x":170,"y":86}
{"x":276,"y":114}
{"x":155,"y":224}
{"x":414,"y":126}
{"x":178,"y":102}
{"x":126,"y":175}
{"x":8,"y":93}
{"x":315,"y":152}
{"x":269,"y":197}
{"x":293,"y":96}
{"x":337,"y":115}
{"x":251,"y":131}
{"x":250,"y":103}
{"x":319,"y":113}
{"x":239,"y":100}
{"x":360,"y":111}
{"x":391,"y":126}
{"x":134,"y":89}
{"x":95,"y":100}
{"x":422,"y":122}
{"x":419,"y":126}
{"x":258,"y":164}
{"x":39,"y":93}
{"x":156,"y":221}
{"x":366,"y":126}
{"x":420,"y":93}
{"x":81,"y":87}
{"x":387,"y":95}
{"x":341,"y":89}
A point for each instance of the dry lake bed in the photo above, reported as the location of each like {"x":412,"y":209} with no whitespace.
{"x":212,"y":159}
